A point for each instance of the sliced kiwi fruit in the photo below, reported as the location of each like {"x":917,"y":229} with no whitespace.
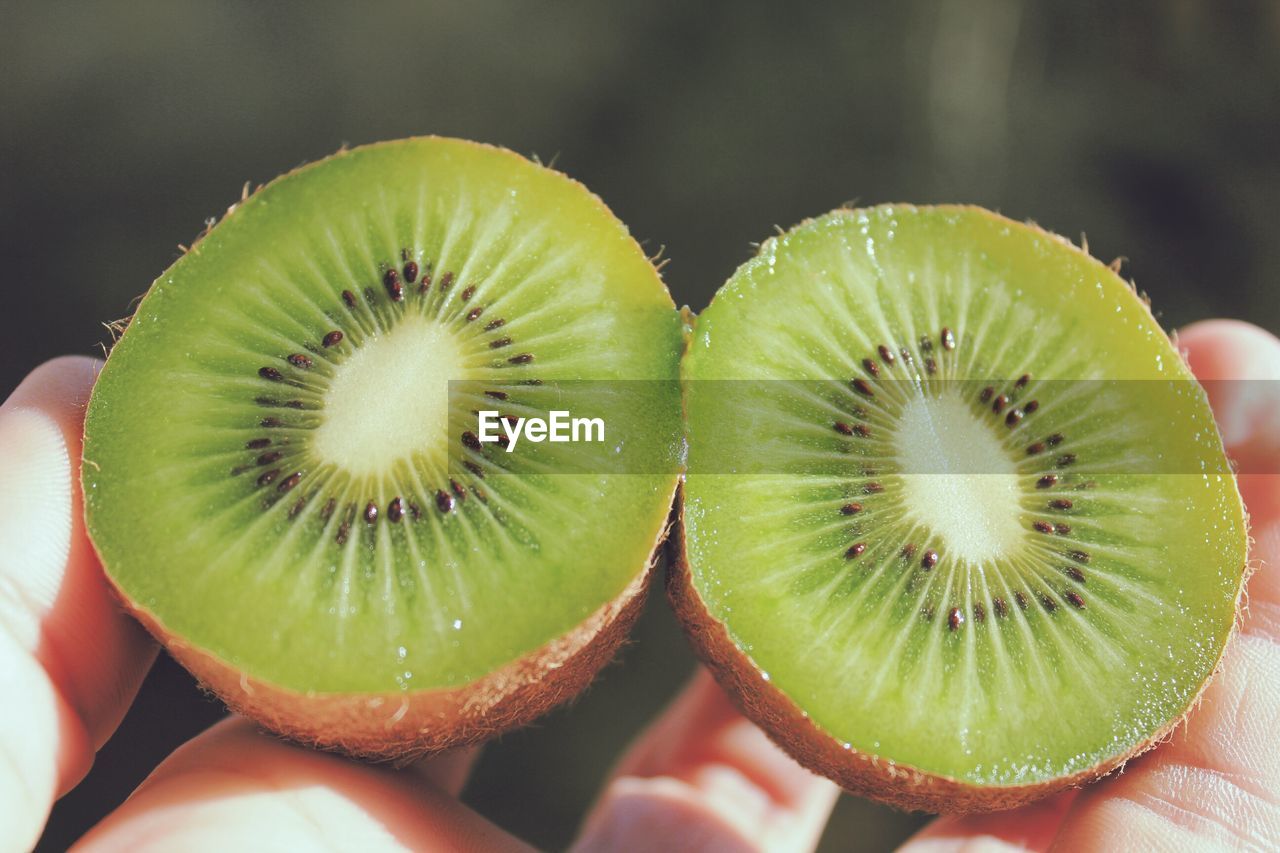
{"x":281,"y":472}
{"x":958,"y":530}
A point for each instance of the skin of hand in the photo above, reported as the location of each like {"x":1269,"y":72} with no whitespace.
{"x":700,"y":777}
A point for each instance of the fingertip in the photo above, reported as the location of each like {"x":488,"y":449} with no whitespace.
{"x":236,"y":787}
{"x":60,"y":385}
{"x":1230,"y":350}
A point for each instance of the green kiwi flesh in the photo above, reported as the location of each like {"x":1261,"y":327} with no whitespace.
{"x":958,"y":529}
{"x":283,"y":483}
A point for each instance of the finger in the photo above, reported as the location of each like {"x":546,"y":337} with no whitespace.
{"x":236,"y":788}
{"x":1218,"y":777}
{"x":448,"y":771}
{"x":703,"y":777}
{"x":1032,"y":827}
{"x":70,"y":662}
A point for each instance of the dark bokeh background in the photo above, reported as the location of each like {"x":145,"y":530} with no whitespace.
{"x":1156,"y":130}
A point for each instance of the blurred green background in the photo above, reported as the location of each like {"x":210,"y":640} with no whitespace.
{"x":1154,"y":129}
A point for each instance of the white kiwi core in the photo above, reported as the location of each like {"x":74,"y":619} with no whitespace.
{"x":958,"y":479}
{"x":390,"y":399}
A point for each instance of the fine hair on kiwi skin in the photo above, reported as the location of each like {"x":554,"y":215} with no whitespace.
{"x":917,"y":324}
{"x":308,"y":549}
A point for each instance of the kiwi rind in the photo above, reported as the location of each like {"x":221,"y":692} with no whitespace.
{"x":404,"y":724}
{"x":897,"y":784}
{"x":862,"y":774}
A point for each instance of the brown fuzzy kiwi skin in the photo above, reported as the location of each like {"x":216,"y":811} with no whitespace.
{"x":401,"y":727}
{"x":899,"y":785}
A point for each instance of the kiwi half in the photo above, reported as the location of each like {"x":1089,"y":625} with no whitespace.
{"x":958,"y":530}
{"x":281,"y":471}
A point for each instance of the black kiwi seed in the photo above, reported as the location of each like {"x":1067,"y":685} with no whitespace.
{"x":1019,"y":597}
{"x":268,"y":476}
{"x":886,"y":355}
{"x":1062,"y":529}
{"x":906,"y":357}
{"x":843,"y":428}
{"x":268,"y":458}
{"x":1042,"y":526}
{"x":1076,"y":599}
{"x":926,"y":343}
{"x":499,"y":343}
{"x":1074,"y":573}
{"x":948,"y":339}
{"x":257,"y":443}
{"x":855,"y":550}
{"x":327,"y":510}
{"x":474,"y":313}
{"x":410,"y":272}
{"x":445,"y":281}
{"x":929,"y":559}
{"x":299,"y":360}
{"x":391,"y":281}
{"x":1055,"y":439}
{"x":873,"y":488}
{"x":1079,"y":556}
{"x":289,"y":482}
{"x":470,"y":440}
{"x":1022,"y":381}
{"x":871,"y":367}
{"x":860,"y":385}
{"x":415,"y":512}
{"x":955,"y":618}
{"x":1014,"y":416}
{"x":297,"y":507}
{"x":332,"y":339}
{"x":468,"y":292}
{"x":1049,"y":604}
{"x":458,"y":490}
{"x":909,"y":550}
{"x":270,"y":373}
{"x":497,"y":395}
{"x":851,"y":509}
{"x":1001,"y":608}
{"x":930,"y":365}
{"x":522,"y":358}
{"x":371,"y":512}
{"x":1047,"y":481}
{"x":444,"y":501}
{"x":1031,"y":406}
{"x":343,"y":529}
{"x":495,"y":323}
{"x":862,"y":430}
{"x":986,"y":395}
{"x":1060,"y":503}
{"x":1035,"y":448}
{"x":998,"y":404}
{"x":1066,"y":459}
{"x":395,"y":509}
{"x":349,"y":298}
{"x":979,"y":612}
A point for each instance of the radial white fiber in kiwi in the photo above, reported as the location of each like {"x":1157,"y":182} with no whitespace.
{"x":958,"y":528}
{"x":282,"y":474}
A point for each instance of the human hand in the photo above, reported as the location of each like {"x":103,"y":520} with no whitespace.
{"x":701,"y":777}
